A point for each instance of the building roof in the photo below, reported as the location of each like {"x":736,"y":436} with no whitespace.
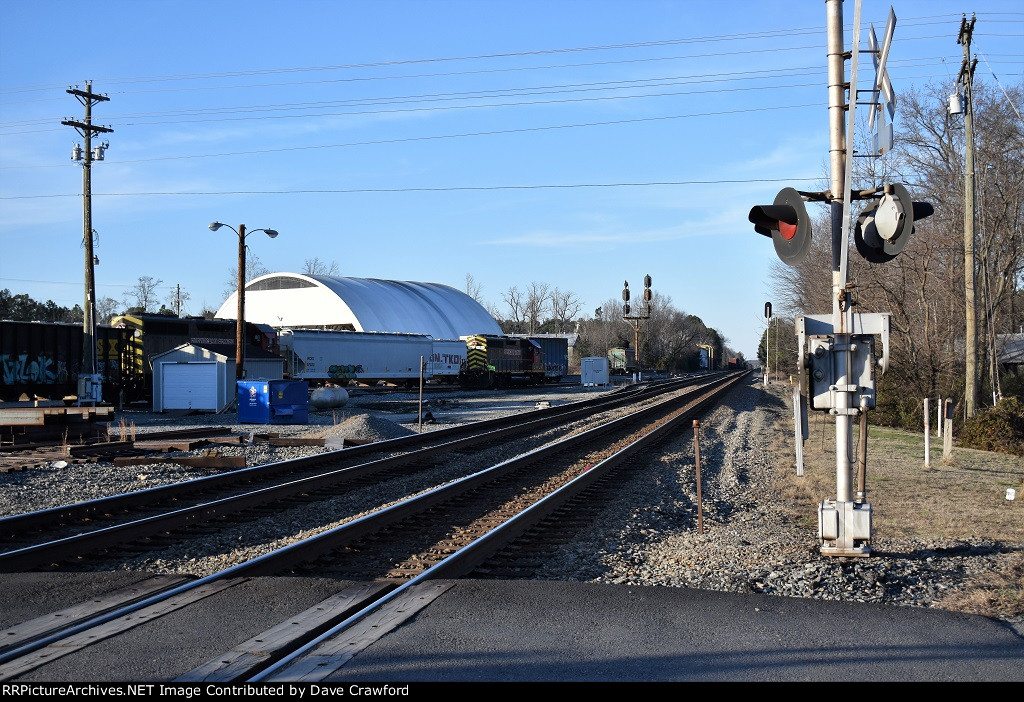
{"x":362,"y":304}
{"x":224,"y":351}
{"x":1010,"y":348}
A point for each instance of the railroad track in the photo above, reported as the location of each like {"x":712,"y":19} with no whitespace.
{"x":32,"y":455}
{"x":480,"y":516}
{"x":69,"y":533}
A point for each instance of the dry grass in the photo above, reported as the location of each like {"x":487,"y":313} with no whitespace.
{"x":961,"y":498}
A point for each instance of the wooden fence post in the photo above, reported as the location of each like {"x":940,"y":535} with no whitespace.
{"x":700,"y":501}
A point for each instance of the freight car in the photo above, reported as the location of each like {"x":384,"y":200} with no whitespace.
{"x":502,"y":361}
{"x":555,"y":350}
{"x":622,"y":361}
{"x":368,"y":358}
{"x":151,"y":334}
{"x":42,"y":360}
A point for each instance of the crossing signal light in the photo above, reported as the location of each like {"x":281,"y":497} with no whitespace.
{"x":883,"y":231}
{"x":785,"y":221}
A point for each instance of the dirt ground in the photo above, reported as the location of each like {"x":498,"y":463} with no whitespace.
{"x":964,"y":496}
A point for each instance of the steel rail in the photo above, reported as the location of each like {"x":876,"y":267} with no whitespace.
{"x":470,"y":556}
{"x":69,"y":547}
{"x":324,"y":542}
{"x":30,"y":521}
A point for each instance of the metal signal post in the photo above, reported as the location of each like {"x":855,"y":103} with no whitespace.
{"x":837,"y":352}
{"x":636,"y":319}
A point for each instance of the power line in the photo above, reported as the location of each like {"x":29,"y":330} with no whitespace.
{"x":343,"y":191}
{"x":464,"y":134}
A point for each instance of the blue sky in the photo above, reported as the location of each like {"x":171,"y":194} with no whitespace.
{"x":577,"y":144}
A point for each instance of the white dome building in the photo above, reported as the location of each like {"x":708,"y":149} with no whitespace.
{"x":296,"y":301}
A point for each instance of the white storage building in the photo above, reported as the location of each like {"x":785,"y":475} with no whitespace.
{"x":202,"y":376}
{"x":298,"y":301}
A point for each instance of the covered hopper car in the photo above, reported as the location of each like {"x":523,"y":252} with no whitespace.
{"x":344,"y":357}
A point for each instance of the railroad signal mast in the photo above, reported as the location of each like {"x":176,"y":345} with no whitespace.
{"x":837,"y":352}
{"x":642,"y":314}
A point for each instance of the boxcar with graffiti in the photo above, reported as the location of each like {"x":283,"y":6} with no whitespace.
{"x":42,"y":360}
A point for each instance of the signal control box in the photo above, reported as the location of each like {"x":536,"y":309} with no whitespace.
{"x":822,"y":372}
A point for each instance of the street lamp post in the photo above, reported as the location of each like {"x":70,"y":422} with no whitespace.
{"x":240,"y":323}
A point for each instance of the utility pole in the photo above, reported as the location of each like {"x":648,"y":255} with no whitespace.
{"x":89,"y":382}
{"x":966,"y":80}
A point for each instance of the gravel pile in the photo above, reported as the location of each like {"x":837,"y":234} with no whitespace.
{"x":365,"y":427}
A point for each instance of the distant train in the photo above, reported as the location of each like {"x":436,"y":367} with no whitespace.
{"x":369,"y":358}
{"x":43,"y":359}
{"x":621,"y":361}
{"x":152,"y":334}
{"x":502,"y":361}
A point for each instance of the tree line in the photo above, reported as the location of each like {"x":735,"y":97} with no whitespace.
{"x":670,"y":339}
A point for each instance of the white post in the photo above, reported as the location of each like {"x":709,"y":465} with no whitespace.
{"x":947,"y":440}
{"x":927,"y":436}
{"x":938,"y":418}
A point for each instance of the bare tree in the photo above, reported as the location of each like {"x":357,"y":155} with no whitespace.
{"x":314,"y":266}
{"x":565,"y":306}
{"x":143,"y":293}
{"x":106,"y":309}
{"x":254,"y":268}
{"x":516,"y":309}
{"x":473,"y":288}
{"x":536,"y":305}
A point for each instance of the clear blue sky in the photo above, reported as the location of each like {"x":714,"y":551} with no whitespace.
{"x":424,"y":140}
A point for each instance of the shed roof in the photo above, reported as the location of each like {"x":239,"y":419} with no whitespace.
{"x":225,"y":351}
{"x":363,"y":304}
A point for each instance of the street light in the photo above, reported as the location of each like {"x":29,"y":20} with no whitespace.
{"x":240,"y":325}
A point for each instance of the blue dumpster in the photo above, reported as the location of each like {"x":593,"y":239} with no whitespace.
{"x":273,"y":401}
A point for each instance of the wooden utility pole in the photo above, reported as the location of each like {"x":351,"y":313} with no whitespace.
{"x":966,"y":80}
{"x":86,"y":129}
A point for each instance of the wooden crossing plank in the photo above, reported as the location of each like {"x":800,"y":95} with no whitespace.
{"x":332,"y":654}
{"x":251,"y":656}
{"x":37,"y":628}
{"x":71,"y":644}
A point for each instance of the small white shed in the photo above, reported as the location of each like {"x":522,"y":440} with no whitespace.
{"x":202,"y":377}
{"x":594,"y":370}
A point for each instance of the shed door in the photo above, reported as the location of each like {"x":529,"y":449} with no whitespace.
{"x":189,"y":386}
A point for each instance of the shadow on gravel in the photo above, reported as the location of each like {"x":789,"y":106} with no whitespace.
{"x":921,"y":554}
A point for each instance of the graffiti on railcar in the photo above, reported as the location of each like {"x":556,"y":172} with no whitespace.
{"x":42,"y":369}
{"x":345,"y":372}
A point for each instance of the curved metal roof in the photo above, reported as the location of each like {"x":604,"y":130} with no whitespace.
{"x":365,"y":304}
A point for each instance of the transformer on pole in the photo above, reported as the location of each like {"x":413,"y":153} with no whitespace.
{"x":90,"y":388}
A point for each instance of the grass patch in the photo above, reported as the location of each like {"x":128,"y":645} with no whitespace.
{"x":959,"y":498}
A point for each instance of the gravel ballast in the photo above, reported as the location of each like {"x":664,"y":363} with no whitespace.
{"x":751,"y":542}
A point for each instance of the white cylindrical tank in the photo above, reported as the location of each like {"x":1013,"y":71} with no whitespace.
{"x":330,"y":397}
